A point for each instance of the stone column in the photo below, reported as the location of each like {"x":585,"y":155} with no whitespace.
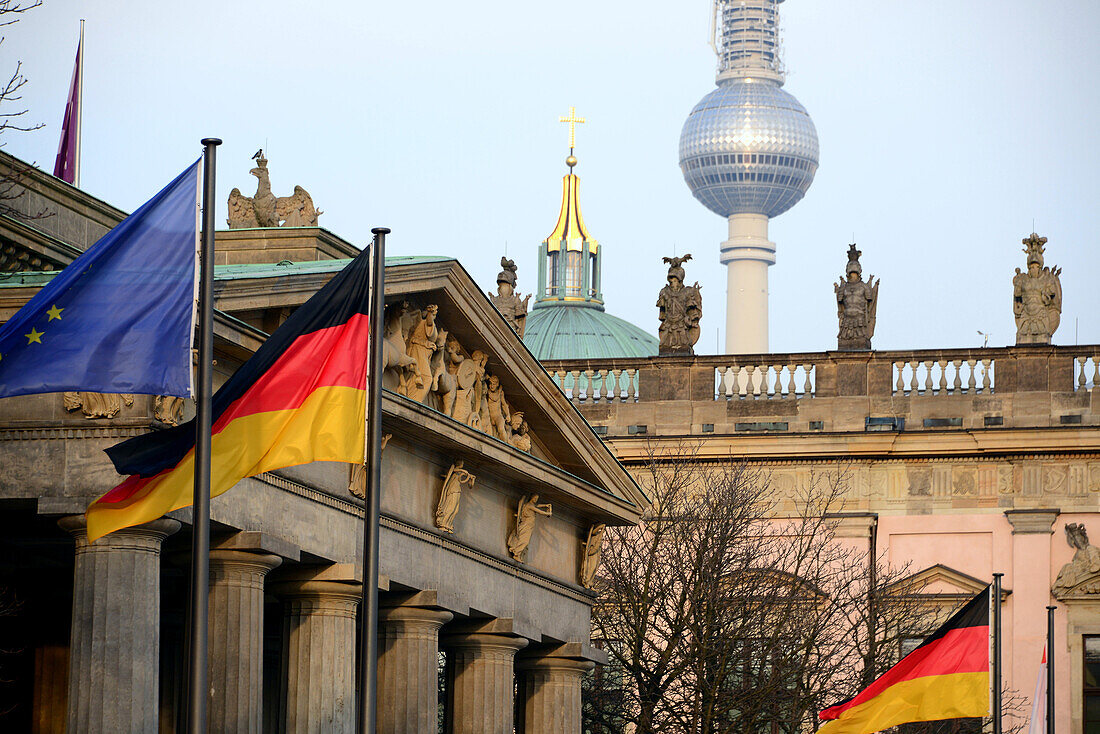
{"x":114,"y":652}
{"x":319,"y":644}
{"x":236,"y":634}
{"x":549,"y":698}
{"x":481,"y":682}
{"x":408,"y":669}
{"x":1025,"y":632}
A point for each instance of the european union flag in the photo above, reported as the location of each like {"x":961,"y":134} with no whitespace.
{"x":119,"y":318}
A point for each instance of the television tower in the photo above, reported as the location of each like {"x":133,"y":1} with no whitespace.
{"x":749,"y":152}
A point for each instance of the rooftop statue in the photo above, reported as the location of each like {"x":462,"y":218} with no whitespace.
{"x":1036,"y":296}
{"x":1082,"y":574}
{"x":507,"y":301}
{"x":265,"y":209}
{"x":681,"y":307}
{"x":856,"y":305}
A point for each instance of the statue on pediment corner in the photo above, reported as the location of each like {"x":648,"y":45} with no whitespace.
{"x":680,"y":309}
{"x":357,"y":484}
{"x":97,"y":404}
{"x":507,"y":302}
{"x":267,"y":210}
{"x":520,"y":537}
{"x":1082,"y":574}
{"x":451,"y":495}
{"x":856,"y":305}
{"x":1036,"y":296}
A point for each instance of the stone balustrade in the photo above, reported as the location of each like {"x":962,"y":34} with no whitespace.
{"x":1086,"y":370}
{"x":943,"y":376}
{"x":920,"y":389}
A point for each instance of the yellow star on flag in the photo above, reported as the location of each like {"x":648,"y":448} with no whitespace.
{"x":55,"y":313}
{"x":34,"y":336}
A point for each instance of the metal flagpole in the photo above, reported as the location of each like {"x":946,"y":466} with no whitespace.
{"x":200,"y":538}
{"x":368,"y":634}
{"x":997,"y":653}
{"x":1050,"y":669}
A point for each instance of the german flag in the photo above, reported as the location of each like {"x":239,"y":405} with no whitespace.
{"x":947,"y":677}
{"x":300,"y":398}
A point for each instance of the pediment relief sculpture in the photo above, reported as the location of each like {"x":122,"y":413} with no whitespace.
{"x":520,"y":537}
{"x":1081,"y":576}
{"x":451,"y":495}
{"x":423,"y":361}
{"x":96,"y":404}
{"x":267,"y":210}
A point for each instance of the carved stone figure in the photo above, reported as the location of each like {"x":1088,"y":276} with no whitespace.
{"x":520,"y":537}
{"x":681,"y":307}
{"x":265,"y":209}
{"x":520,"y":437}
{"x":590,"y":562}
{"x":421,"y":345}
{"x":498,"y":409}
{"x":168,"y":409}
{"x":1036,"y":296}
{"x":397,"y":365}
{"x":856,"y":305}
{"x":96,"y":404}
{"x":445,"y":379}
{"x":357,"y":485}
{"x":507,"y":301}
{"x":1082,"y":574}
{"x":450,"y":496}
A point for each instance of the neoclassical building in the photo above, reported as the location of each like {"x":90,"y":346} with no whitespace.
{"x":494,"y":487}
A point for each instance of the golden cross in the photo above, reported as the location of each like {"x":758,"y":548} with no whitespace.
{"x":572,"y":120}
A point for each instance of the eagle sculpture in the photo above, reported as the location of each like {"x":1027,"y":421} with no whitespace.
{"x":267,"y":210}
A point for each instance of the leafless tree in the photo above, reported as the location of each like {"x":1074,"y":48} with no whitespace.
{"x":732,"y":607}
{"x":13,"y":117}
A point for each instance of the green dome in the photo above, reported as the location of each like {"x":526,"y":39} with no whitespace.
{"x":582,"y":332}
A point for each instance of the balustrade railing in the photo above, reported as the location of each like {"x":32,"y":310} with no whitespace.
{"x":1086,"y":372}
{"x":598,"y":385}
{"x":926,"y":374}
{"x":756,"y":381}
{"x":943,"y":376}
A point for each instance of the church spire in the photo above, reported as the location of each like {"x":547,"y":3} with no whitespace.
{"x":569,"y":260}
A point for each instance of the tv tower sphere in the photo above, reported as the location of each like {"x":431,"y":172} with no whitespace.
{"x":749,"y":152}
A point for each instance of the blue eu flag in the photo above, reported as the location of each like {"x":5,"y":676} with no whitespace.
{"x":119,"y":318}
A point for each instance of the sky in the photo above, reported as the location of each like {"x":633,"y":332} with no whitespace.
{"x":949,"y":131}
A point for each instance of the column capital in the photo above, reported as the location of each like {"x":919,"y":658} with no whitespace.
{"x":550,"y":663}
{"x":319,"y":589}
{"x":244,"y":561}
{"x":414,"y":617}
{"x":157,"y":530}
{"x":1033,"y":522}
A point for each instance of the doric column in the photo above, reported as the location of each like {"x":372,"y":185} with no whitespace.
{"x":319,"y":642}
{"x":408,"y":668}
{"x":481,"y":682}
{"x":549,"y":698}
{"x":114,"y":653}
{"x":236,"y":627}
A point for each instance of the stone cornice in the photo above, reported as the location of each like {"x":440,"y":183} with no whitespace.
{"x":1005,"y":442}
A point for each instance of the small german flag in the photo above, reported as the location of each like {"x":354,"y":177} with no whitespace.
{"x":947,"y":677}
{"x":300,"y":398}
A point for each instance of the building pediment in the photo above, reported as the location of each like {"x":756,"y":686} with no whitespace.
{"x":939,"y":581}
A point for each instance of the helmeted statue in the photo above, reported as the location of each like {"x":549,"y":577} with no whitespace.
{"x":856,"y":305}
{"x":507,"y":301}
{"x":267,"y":210}
{"x":681,"y":308}
{"x":1036,"y":296}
